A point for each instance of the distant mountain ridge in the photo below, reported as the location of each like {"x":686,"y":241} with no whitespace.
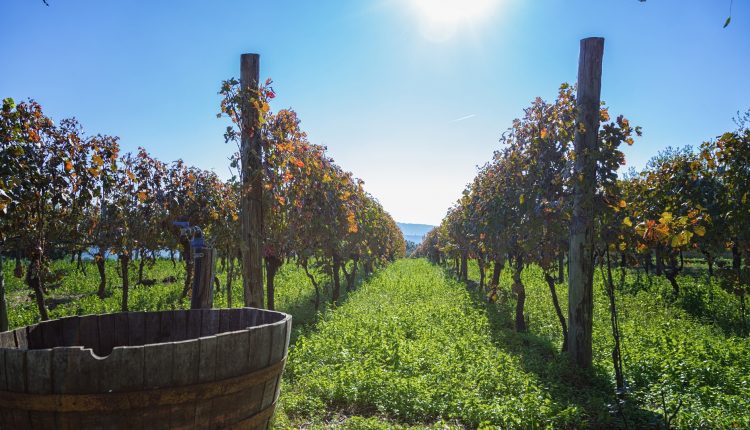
{"x":414,"y":232}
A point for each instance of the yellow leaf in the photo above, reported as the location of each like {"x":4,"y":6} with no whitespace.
{"x":521,"y":199}
{"x":623,"y":246}
{"x":666,"y":217}
{"x":97,"y":160}
{"x":627,"y":221}
{"x":699,"y":230}
{"x":352,"y":221}
{"x":744,"y":198}
{"x":682,"y":239}
{"x":661,"y":231}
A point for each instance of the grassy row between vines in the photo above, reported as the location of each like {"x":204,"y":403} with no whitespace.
{"x":414,"y":348}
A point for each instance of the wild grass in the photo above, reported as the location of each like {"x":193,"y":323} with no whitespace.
{"x":416,"y":348}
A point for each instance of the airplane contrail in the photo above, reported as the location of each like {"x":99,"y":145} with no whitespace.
{"x":462,"y":118}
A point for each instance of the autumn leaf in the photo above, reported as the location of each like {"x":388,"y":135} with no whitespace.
{"x":604,"y":115}
{"x":627,"y":221}
{"x":142,"y":195}
{"x":699,"y":230}
{"x":352,"y":221}
{"x":682,"y":239}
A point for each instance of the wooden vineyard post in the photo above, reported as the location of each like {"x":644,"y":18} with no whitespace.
{"x":3,"y":304}
{"x":203,"y":280}
{"x":581,"y":252}
{"x":251,"y":215}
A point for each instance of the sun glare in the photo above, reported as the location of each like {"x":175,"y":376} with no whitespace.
{"x":441,"y":19}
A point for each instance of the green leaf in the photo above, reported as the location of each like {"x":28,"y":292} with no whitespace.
{"x":726,"y":23}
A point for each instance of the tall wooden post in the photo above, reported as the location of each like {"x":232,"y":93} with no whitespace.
{"x":251,"y":215}
{"x":581,"y":252}
{"x":203,"y":279}
{"x":3,"y":304}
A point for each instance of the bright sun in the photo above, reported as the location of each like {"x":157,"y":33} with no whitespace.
{"x":441,"y":19}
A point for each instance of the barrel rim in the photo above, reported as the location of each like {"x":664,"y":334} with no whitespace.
{"x":285,"y":319}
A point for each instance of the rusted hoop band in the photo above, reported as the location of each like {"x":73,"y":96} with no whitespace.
{"x":111,"y":402}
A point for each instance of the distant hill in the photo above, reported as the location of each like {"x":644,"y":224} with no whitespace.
{"x":414,"y":232}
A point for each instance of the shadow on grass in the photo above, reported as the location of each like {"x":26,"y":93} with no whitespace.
{"x":592,"y":392}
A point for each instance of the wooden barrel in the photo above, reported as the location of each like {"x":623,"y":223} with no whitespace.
{"x":212,"y":368}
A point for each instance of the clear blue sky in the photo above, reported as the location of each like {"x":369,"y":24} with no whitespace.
{"x":409,"y":95}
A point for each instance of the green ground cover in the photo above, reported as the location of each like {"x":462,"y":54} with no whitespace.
{"x":415,"y":348}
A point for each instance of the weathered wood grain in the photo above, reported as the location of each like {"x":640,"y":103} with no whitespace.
{"x":206,"y":372}
{"x":194,"y":323}
{"x":186,"y":361}
{"x":158,"y":366}
{"x":106,"y":335}
{"x":15,"y":368}
{"x":22,"y":337}
{"x":114,"y":371}
{"x":70,"y":327}
{"x":39,"y":381}
{"x":88,"y":332}
{"x":136,"y":328}
{"x":209,"y":322}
